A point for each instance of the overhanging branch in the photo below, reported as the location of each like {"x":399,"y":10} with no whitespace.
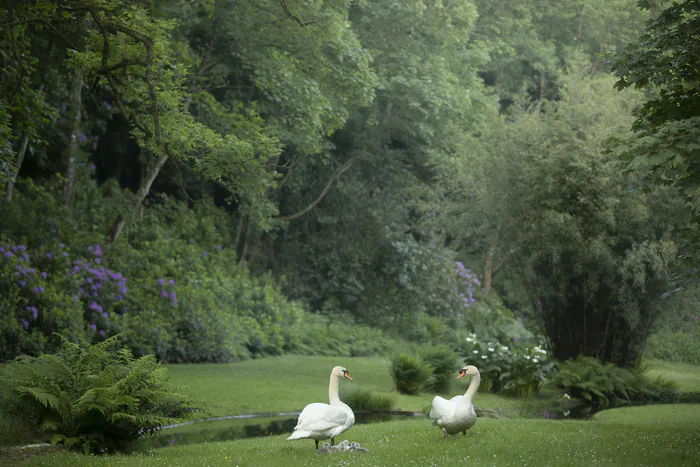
{"x":335,"y":175}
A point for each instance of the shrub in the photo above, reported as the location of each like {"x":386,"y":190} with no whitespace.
{"x":411,"y":375}
{"x":518,"y":371}
{"x":94,"y":398}
{"x":587,"y":379}
{"x":366,"y":400}
{"x":444,"y":363}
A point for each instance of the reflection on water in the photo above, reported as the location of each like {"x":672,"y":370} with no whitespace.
{"x":247,"y":426}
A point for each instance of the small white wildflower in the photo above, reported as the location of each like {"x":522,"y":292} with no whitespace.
{"x":469,"y":339}
{"x":535,"y":360}
{"x":566,"y":396}
{"x":527,"y":357}
{"x":491,"y":349}
{"x":504,"y":348}
{"x":484,"y":357}
{"x":475,"y":351}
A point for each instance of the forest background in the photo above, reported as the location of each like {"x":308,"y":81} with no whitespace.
{"x":217,"y":180}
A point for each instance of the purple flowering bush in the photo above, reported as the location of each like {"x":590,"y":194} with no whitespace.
{"x":35,"y":303}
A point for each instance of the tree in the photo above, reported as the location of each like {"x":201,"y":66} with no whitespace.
{"x":595,"y":256}
{"x":665,"y":146}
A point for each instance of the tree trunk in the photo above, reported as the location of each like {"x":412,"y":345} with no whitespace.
{"x":20,"y":159}
{"x":74,"y":145}
{"x":488,"y":269}
{"x":144,"y":188}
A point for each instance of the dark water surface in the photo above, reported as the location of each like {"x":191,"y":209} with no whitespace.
{"x":249,"y":426}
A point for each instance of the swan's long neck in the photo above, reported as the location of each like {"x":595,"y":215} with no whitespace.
{"x":333,"y":397}
{"x":473,"y":387}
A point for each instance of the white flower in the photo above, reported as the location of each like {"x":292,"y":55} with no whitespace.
{"x":491,"y":349}
{"x":566,"y":396}
{"x":544,"y":352}
{"x":534,"y":360}
{"x":527,"y":357}
{"x":504,"y":348}
{"x":469,"y":339}
{"x":484,"y":357}
{"x":475,"y":351}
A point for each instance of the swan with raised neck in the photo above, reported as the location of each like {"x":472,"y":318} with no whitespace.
{"x":457,"y":414}
{"x":320,"y":421}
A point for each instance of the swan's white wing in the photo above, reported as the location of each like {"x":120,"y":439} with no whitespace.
{"x":321,"y":417}
{"x":456,"y":399}
{"x":441,"y":407}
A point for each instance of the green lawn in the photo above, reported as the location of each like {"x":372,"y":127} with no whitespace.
{"x":519,"y":442}
{"x":687,"y":376}
{"x":288,"y":383}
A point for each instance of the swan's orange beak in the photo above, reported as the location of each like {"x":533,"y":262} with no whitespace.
{"x":461,"y":373}
{"x":347,"y":375}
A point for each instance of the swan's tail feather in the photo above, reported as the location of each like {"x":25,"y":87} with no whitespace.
{"x":300,"y":435}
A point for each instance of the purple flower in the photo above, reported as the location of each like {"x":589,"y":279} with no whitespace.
{"x":65,"y":253}
{"x":118,"y":298}
{"x":93,"y":327}
{"x":22,"y":283}
{"x":75,"y":298}
{"x":49,"y":256}
{"x":102,"y":332}
{"x":89,"y":280}
{"x":171,"y":282}
{"x":204,"y":255}
{"x":92,"y":167}
{"x":164,"y":294}
{"x":161,"y":281}
{"x":123,"y":290}
{"x":21,"y":248}
{"x":172,"y":296}
{"x":219,"y":247}
{"x":61,"y":245}
{"x":2,"y":250}
{"x":43,"y":274}
{"x":25,"y":323}
{"x":8,"y":254}
{"x":116,"y":276}
{"x":96,"y":307}
{"x":82,"y":137}
{"x":105,"y":315}
{"x":97,"y":260}
{"x":76,"y":269}
{"x":41,"y":289}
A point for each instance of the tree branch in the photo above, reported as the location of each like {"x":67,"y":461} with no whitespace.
{"x":291,"y":15}
{"x":335,"y":175}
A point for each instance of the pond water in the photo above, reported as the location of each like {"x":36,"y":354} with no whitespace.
{"x":249,"y":426}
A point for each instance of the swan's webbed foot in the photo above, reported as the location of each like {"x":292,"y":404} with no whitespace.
{"x":316,"y":444}
{"x":332,"y":441}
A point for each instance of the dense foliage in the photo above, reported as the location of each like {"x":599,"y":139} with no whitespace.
{"x":93,"y":398}
{"x":220,"y":180}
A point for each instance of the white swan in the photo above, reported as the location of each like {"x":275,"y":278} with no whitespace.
{"x":457,"y":414}
{"x":322,"y":421}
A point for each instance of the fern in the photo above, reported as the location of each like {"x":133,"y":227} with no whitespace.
{"x":587,"y":379}
{"x":94,"y":398}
